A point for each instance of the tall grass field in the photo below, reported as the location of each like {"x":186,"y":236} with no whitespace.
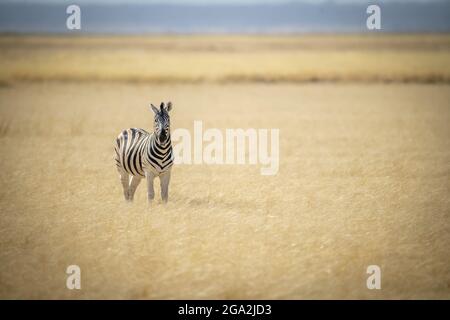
{"x":364,"y":174}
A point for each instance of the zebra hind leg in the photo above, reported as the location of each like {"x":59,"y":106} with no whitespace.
{"x":135,"y":180}
{"x":125,"y":179}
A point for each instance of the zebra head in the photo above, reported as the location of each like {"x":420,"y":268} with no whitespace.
{"x":162,"y":122}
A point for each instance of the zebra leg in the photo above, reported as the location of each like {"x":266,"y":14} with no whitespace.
{"x":135,"y":180}
{"x":125,"y":179}
{"x":150,"y":191}
{"x":164,"y":180}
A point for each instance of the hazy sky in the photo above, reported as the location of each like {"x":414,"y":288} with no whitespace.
{"x":210,"y":2}
{"x":220,"y":16}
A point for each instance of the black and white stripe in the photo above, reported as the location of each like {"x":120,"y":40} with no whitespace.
{"x":137,"y":149}
{"x":141,"y":154}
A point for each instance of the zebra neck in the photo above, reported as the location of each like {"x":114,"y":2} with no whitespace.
{"x":161,"y":148}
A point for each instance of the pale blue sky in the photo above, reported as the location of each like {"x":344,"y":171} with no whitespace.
{"x":210,"y":2}
{"x":224,"y":16}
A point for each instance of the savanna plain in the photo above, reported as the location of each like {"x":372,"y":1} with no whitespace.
{"x":364,"y":174}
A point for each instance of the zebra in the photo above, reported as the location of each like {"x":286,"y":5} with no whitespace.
{"x":140,"y":154}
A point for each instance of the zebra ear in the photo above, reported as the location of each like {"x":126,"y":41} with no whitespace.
{"x":161,"y":106}
{"x":155,"y":110}
{"x":169,"y":106}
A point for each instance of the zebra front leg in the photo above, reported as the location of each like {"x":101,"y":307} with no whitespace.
{"x":164,"y":180}
{"x":125,"y":179}
{"x":135,"y":180}
{"x":150,"y":191}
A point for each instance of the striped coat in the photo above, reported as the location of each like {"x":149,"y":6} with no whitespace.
{"x":137,"y":150}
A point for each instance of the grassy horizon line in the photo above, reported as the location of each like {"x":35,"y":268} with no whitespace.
{"x":227,"y":59}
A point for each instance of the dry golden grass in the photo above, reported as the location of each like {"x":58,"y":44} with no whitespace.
{"x":165,"y":59}
{"x":364,"y":179}
{"x":364,"y":169}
